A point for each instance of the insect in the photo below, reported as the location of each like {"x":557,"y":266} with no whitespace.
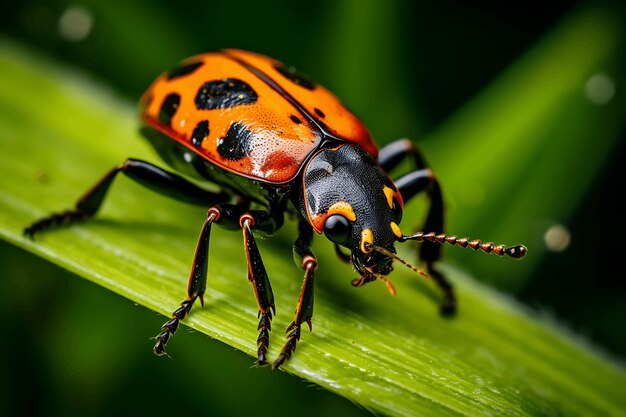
{"x":275,"y":143}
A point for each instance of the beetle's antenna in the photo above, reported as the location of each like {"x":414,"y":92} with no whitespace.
{"x":388,"y":283}
{"x":369,"y":276}
{"x":395,"y":257}
{"x":517,"y":251}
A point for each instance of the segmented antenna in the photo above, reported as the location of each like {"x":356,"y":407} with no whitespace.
{"x":517,"y":251}
{"x":395,"y":257}
{"x":371,"y":276}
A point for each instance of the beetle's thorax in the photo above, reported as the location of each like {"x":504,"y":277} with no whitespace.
{"x":347,"y":181}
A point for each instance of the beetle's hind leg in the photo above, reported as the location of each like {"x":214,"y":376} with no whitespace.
{"x":239,"y":217}
{"x":411,"y":184}
{"x":143,"y":172}
{"x":166,"y":183}
{"x":196,"y":285}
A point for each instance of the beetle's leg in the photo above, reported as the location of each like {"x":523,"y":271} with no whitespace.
{"x":395,"y":152}
{"x":305,"y":259}
{"x":144,"y":173}
{"x":196,"y":285}
{"x":263,"y":221}
{"x":226,"y":215}
{"x":238,"y":216}
{"x":410,"y":185}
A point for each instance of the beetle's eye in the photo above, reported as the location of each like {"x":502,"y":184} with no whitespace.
{"x":337,"y":228}
{"x":397,"y":212}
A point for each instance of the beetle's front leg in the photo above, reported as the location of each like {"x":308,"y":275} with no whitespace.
{"x":305,"y":259}
{"x":414,"y":183}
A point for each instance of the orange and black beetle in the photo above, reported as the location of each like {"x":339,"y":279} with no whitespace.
{"x":275,"y":142}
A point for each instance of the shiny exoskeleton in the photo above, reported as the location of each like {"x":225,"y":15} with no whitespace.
{"x":277,"y":143}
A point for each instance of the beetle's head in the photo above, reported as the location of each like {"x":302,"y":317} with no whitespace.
{"x":350,"y":199}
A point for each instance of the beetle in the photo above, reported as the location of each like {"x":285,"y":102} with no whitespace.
{"x":275,"y":143}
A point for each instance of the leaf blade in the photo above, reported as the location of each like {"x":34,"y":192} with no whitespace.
{"x":396,"y":356}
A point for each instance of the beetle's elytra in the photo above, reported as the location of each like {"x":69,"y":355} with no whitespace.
{"x":275,"y":142}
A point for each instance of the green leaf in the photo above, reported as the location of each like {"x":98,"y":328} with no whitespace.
{"x":60,"y":132}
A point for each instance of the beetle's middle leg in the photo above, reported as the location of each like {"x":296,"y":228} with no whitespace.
{"x":260,"y":282}
{"x":265,"y":222}
{"x":411,"y":184}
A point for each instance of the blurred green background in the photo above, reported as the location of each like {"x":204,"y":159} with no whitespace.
{"x":408,"y":69}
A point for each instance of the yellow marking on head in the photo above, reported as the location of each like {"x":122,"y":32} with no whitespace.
{"x":389,"y":193}
{"x":367,"y":238}
{"x":395,"y":229}
{"x":340,"y":207}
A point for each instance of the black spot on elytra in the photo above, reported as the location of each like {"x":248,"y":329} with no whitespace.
{"x":295,"y":77}
{"x":295,"y":119}
{"x":200,"y":132}
{"x":221,"y":94}
{"x":168,"y":108}
{"x":319,"y":112}
{"x":236,"y":144}
{"x":183,"y":70}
